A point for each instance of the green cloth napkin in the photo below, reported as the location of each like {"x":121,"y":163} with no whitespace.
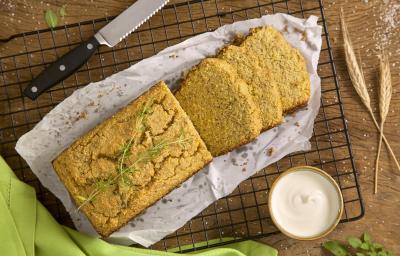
{"x":27,"y":229}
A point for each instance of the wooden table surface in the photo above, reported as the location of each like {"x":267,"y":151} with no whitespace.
{"x":369,"y":30}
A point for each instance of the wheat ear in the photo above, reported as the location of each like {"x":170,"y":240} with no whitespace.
{"x":385,"y":95}
{"x":358,"y":81}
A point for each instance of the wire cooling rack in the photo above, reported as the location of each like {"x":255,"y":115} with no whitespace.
{"x":244,"y":213}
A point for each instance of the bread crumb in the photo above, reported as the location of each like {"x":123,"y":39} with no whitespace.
{"x":270,"y":151}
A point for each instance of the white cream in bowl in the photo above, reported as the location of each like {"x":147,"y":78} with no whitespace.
{"x":305,"y":203}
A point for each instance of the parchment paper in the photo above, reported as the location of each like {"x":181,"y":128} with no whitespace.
{"x":90,"y":105}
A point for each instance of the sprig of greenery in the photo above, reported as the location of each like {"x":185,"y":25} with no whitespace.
{"x":142,"y":157}
{"x":51,"y":18}
{"x":363,"y":246}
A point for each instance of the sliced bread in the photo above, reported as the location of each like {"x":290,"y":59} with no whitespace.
{"x":220,"y":106}
{"x":263,"y":89}
{"x":286,"y":66}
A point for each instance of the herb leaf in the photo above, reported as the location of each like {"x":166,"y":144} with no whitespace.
{"x":361,"y":247}
{"x":364,"y":246}
{"x":377,"y":245}
{"x":51,"y":18}
{"x":62,"y":11}
{"x":354,"y":242}
{"x":367,"y":238}
{"x":336,"y":248}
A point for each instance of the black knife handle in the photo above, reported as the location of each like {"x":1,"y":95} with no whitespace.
{"x":62,"y":68}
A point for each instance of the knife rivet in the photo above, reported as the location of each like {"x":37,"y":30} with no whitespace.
{"x":89,"y":46}
{"x":34,"y":89}
{"x":62,"y":67}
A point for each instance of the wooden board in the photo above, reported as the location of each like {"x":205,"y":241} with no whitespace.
{"x":368,"y":29}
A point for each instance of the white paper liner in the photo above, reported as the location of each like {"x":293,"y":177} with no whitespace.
{"x":88,"y":106}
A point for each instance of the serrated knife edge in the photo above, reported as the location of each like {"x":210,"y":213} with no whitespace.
{"x":128,"y":21}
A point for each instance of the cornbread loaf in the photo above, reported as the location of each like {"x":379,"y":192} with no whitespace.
{"x":220,"y":106}
{"x":131,"y":160}
{"x":286,"y":66}
{"x":264,"y":90}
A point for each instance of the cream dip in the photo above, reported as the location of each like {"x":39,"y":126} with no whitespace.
{"x":305,"y":203}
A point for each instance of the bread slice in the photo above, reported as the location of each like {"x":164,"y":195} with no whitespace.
{"x":263,"y":89}
{"x":220,"y":106}
{"x":165,"y":150}
{"x":286,"y":66}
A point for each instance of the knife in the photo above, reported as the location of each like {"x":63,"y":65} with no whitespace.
{"x":110,"y":35}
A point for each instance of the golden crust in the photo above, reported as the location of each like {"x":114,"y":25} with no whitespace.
{"x":286,"y":66}
{"x":94,"y":158}
{"x":220,"y":106}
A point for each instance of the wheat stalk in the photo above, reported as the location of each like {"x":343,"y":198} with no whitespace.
{"x":385,"y":96}
{"x":358,"y":81}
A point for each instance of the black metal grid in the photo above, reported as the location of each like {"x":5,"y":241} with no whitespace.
{"x":244,"y":213}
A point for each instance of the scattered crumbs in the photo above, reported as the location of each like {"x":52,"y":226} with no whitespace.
{"x":100,"y":95}
{"x":141,"y":219}
{"x":91,"y":104}
{"x":233,"y":160}
{"x":164,"y":201}
{"x":244,"y":155}
{"x":270,"y":151}
{"x":244,"y":169}
{"x":297,"y":124}
{"x":200,"y":186}
{"x":173,"y":56}
{"x":81,"y":115}
{"x":303,"y":36}
{"x":241,"y":149}
{"x":285,"y":29}
{"x":132,"y":225}
{"x":251,"y":148}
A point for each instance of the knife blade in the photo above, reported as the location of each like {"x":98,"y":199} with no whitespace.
{"x":110,"y":35}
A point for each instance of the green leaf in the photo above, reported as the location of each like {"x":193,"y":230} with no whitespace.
{"x":364,"y":246}
{"x":336,"y":248}
{"x":354,"y":242}
{"x":360,"y":254}
{"x":51,"y":18}
{"x":63,"y":13}
{"x":377,"y":245}
{"x":372,"y":254}
{"x":382,"y":253}
{"x":367,"y":238}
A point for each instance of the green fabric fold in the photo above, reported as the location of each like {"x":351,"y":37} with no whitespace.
{"x":28,"y":229}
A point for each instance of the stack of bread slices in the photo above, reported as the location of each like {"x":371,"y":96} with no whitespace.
{"x":246,"y":89}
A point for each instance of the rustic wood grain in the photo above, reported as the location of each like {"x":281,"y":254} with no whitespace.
{"x":382,"y":218}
